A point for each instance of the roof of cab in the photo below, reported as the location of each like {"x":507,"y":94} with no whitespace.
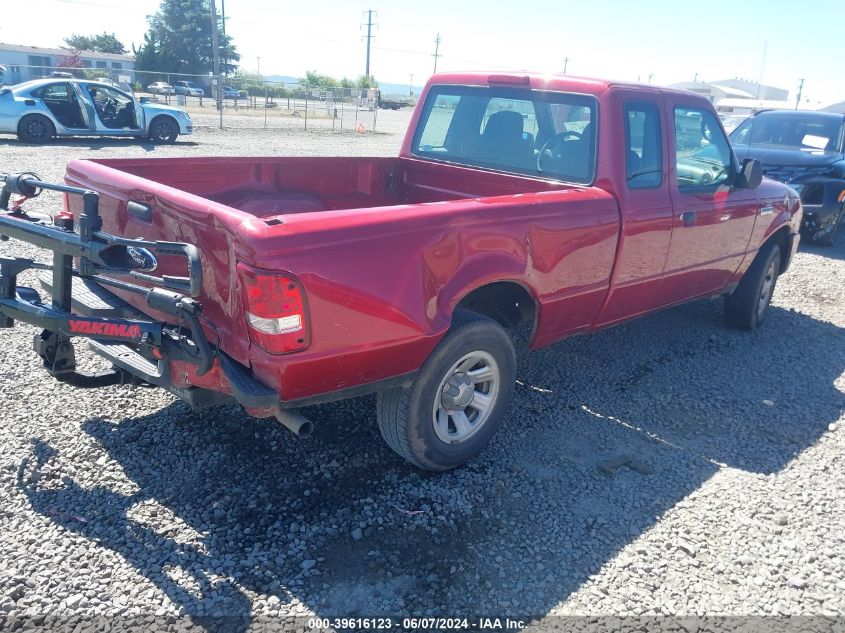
{"x":546,"y":81}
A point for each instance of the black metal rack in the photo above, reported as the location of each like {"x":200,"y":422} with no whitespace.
{"x":99,"y":256}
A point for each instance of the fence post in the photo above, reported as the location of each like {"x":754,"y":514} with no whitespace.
{"x":306,"y":109}
{"x":265,"y":106}
{"x":341,"y":113}
{"x":375,"y":109}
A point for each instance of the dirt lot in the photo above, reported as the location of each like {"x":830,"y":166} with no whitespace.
{"x":124,"y":502}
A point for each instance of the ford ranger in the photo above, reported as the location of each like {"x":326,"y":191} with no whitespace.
{"x":566,"y":204}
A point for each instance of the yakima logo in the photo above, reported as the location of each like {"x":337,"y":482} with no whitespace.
{"x":103,"y":328}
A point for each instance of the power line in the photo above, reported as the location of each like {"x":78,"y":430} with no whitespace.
{"x":369,"y":37}
{"x":436,"y":51}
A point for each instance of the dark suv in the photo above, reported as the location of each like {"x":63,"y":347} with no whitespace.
{"x":805,"y":151}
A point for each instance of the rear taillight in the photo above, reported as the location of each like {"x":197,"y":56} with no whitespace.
{"x":276,"y":310}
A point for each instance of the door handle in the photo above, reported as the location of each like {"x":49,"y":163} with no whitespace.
{"x":139,"y":210}
{"x":688,"y":218}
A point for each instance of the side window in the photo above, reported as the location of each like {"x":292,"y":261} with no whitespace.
{"x":702,"y":153}
{"x":741,"y":136}
{"x":54,"y":92}
{"x":644,"y":156}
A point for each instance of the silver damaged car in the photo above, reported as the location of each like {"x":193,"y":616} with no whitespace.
{"x":39,"y":110}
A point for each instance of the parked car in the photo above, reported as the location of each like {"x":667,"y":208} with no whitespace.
{"x":161,"y":88}
{"x":39,"y":110}
{"x":188,"y":88}
{"x":233,"y":93}
{"x":326,"y":278}
{"x":804,"y":150}
{"x":731,"y":121}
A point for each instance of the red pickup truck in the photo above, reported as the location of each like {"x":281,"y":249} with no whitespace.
{"x":569,"y":204}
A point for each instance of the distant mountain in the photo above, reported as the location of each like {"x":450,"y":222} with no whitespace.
{"x":284,"y":79}
{"x":397,"y":90}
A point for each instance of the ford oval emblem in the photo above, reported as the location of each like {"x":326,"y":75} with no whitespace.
{"x":145,"y":260}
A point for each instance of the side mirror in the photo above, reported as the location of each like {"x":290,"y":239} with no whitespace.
{"x":752,"y":173}
{"x":143,"y":100}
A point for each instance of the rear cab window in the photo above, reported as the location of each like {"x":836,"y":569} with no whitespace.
{"x":515,"y":130}
{"x":643,"y":143}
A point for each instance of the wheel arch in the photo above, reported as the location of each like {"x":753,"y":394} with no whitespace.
{"x":509,"y":302}
{"x":166,"y":115}
{"x":780,"y":236}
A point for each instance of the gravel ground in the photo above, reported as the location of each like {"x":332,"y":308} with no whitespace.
{"x":123,"y":501}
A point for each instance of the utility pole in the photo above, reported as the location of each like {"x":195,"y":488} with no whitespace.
{"x":762,"y":67}
{"x":258,"y":69}
{"x":800,"y":90}
{"x":223,"y":14}
{"x":436,"y":51}
{"x":565,"y":64}
{"x":216,"y":45}
{"x":369,"y":39}
{"x":650,"y":75}
{"x":411,"y":85}
{"x":695,"y":78}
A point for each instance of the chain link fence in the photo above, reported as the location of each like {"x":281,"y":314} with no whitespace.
{"x":245,"y":102}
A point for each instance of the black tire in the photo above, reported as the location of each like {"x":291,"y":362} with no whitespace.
{"x":746,"y":307}
{"x":163,"y":129}
{"x":830,"y":238}
{"x":36,"y":128}
{"x":406,"y":417}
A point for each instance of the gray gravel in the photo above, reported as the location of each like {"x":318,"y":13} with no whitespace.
{"x":666,"y":466}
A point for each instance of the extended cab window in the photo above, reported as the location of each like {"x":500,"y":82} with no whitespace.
{"x":644,"y":157}
{"x":702,"y":152}
{"x":520,"y":131}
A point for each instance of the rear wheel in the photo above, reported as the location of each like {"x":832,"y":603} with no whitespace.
{"x":164,"y":129}
{"x":36,"y":128}
{"x":747,"y":306}
{"x":458,"y":399}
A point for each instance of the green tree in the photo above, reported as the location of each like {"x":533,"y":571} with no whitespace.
{"x":179,"y":40}
{"x":102,"y":43}
{"x":313,"y":79}
{"x":366,"y":82}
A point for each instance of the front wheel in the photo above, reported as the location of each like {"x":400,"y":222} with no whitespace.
{"x":164,"y":129}
{"x":746,"y":307}
{"x":458,"y":399}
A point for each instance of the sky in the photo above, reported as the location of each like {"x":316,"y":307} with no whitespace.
{"x":667,"y":41}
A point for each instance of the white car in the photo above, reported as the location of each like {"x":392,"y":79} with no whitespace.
{"x":39,"y":110}
{"x":161,"y":88}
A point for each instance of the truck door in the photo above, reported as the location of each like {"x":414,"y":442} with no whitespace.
{"x":713,"y":220}
{"x":641,"y":186}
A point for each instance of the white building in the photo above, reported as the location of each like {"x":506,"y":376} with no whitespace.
{"x":738,"y":96}
{"x":22,"y":63}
